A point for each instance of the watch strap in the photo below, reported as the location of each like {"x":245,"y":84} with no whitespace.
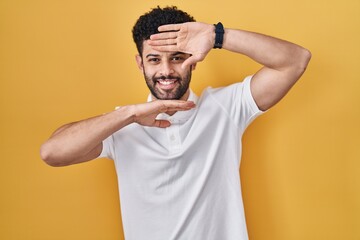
{"x":219,"y":35}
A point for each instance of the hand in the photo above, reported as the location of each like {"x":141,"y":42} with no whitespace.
{"x":145,"y":114}
{"x":194,"y":38}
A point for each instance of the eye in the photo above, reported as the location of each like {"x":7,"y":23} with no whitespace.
{"x":177,"y":59}
{"x":154,"y":60}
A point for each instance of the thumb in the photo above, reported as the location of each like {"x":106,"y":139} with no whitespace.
{"x":162,"y":123}
{"x":191,"y":60}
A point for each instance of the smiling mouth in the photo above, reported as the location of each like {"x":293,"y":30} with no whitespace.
{"x":167,"y":84}
{"x":166,"y":81}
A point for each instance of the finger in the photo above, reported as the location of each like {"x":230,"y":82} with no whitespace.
{"x":191,"y":60}
{"x":162,"y":42}
{"x":166,"y":48}
{"x":164,"y":35}
{"x":162,"y":123}
{"x":170,"y":27}
{"x":175,"y":109}
{"x":165,"y":105}
{"x":175,"y":105}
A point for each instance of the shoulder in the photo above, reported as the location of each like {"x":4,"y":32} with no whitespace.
{"x":230,"y":93}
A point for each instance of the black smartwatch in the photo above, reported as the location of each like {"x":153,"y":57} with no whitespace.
{"x":219,"y":35}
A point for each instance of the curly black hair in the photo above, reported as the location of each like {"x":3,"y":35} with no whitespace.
{"x":148,"y":23}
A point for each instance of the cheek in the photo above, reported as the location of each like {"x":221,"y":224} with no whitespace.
{"x":149,"y":71}
{"x":186,"y":73}
{"x":178,"y":71}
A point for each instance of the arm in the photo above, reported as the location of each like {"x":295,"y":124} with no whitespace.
{"x":283,"y":62}
{"x":82,"y":141}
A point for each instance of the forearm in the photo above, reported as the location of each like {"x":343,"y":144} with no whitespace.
{"x":268,"y":51}
{"x":283,"y":64}
{"x":81,"y":141}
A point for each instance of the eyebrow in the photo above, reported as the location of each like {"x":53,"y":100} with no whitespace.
{"x":177,"y":53}
{"x":157,"y":55}
{"x":152,"y":55}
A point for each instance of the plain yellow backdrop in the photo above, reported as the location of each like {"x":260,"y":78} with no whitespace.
{"x":66,"y":60}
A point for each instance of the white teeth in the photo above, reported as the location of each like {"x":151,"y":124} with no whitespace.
{"x":165,"y":82}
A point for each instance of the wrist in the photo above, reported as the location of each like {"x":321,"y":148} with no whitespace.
{"x":212,"y":35}
{"x":219,"y":35}
{"x":126,"y":114}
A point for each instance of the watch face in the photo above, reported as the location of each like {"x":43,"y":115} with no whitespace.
{"x":219,"y":28}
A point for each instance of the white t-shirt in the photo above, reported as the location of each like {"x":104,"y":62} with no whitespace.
{"x":183,"y":182}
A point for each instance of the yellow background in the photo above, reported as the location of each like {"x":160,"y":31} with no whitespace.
{"x":65,"y":60}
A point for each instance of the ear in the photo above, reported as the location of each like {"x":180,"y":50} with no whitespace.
{"x":193,"y":66}
{"x":139,"y":62}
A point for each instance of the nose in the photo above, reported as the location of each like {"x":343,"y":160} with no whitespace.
{"x":166,"y":68}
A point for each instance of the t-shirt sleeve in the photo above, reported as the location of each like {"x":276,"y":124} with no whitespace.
{"x":237,"y":102}
{"x":108,"y":148}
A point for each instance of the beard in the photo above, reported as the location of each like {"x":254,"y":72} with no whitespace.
{"x":182,"y":85}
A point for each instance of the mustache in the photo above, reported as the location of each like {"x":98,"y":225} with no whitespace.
{"x":166,"y":77}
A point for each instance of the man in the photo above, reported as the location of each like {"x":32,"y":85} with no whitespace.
{"x":177,"y":156}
